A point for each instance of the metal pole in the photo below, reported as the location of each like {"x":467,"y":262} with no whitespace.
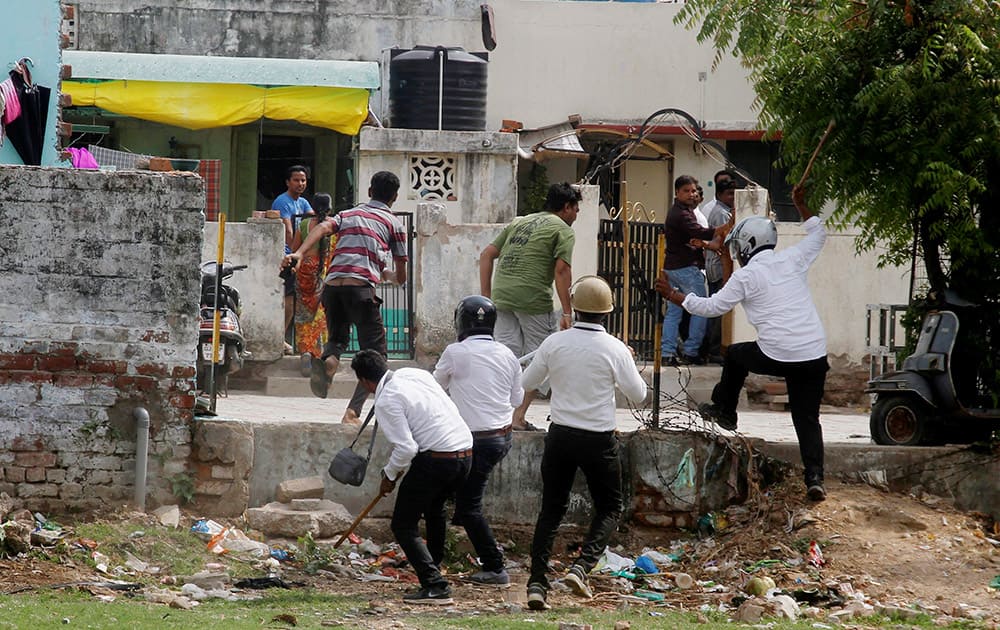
{"x":441,"y":55}
{"x":661,"y":246}
{"x":626,"y":257}
{"x":213,"y":387}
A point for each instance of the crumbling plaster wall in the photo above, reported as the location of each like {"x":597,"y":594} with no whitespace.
{"x":99,"y":273}
{"x":294,"y":29}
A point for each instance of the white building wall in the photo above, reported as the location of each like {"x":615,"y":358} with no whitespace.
{"x":608,"y":61}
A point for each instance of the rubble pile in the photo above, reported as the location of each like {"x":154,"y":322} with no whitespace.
{"x":862,"y":554}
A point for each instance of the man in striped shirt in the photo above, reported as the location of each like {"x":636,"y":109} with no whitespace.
{"x":366,"y":234}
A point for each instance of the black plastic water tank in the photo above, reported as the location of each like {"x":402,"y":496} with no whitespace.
{"x":414,"y":89}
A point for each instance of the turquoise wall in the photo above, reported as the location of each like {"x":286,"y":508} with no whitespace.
{"x":31,"y":29}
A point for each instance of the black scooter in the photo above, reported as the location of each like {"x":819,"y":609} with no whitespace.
{"x":920,"y":404}
{"x":232,"y":345}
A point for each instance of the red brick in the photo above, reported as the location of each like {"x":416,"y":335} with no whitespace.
{"x":203,"y":471}
{"x":56,"y":363}
{"x":183,"y":371}
{"x":14,"y":474}
{"x":22,"y":443}
{"x":73,"y":380}
{"x":12,"y":376}
{"x":158,"y":336}
{"x":151,"y":369}
{"x":182,"y":401}
{"x":63,"y":348}
{"x":141,"y":383}
{"x":103,"y":366}
{"x":105,"y":380}
{"x":17,"y":361}
{"x":37,"y":459}
{"x":34,"y":475}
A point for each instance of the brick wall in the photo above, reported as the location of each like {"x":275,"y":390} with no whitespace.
{"x":99,"y":278}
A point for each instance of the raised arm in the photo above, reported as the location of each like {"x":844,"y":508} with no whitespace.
{"x":799,"y":199}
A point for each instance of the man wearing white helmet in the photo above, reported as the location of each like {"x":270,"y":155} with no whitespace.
{"x":774,"y":291}
{"x":584,"y":364}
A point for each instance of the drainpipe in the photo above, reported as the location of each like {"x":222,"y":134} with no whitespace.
{"x":141,"y":455}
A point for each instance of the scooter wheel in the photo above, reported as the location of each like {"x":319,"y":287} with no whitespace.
{"x":900,"y":421}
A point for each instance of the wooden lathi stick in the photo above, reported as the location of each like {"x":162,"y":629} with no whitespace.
{"x":819,"y":146}
{"x":363,"y":514}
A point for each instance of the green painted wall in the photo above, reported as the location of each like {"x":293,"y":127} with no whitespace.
{"x":139,"y":136}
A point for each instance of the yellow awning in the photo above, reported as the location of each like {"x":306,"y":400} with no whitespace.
{"x":205,"y":105}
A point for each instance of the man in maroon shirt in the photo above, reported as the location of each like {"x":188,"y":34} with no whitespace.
{"x":681,"y":264}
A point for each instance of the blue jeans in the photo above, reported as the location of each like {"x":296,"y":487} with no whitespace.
{"x":686,"y":280}
{"x":487,"y":452}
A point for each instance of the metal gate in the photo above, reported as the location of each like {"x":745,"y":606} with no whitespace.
{"x":397,"y":304}
{"x":644,"y":317}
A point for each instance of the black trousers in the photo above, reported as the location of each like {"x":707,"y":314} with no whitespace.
{"x":596,"y":454}
{"x":486,"y":454}
{"x":347,"y":306}
{"x":805,"y":381}
{"x":422,"y":493}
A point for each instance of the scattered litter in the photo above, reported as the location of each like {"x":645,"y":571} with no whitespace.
{"x":206,"y":529}
{"x":646,"y":565}
{"x":816,"y":555}
{"x":613,"y":562}
{"x":271,"y":581}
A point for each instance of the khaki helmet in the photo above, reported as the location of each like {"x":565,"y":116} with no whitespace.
{"x":591,"y":294}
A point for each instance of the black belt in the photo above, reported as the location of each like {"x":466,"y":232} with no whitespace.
{"x":450,"y":454}
{"x":504,"y":432}
{"x":569,"y":429}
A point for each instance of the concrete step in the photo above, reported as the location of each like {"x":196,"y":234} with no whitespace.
{"x":282,"y":378}
{"x":289,"y":366}
{"x":342,"y":386}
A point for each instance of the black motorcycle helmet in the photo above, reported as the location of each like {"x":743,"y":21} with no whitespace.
{"x":475,"y":315}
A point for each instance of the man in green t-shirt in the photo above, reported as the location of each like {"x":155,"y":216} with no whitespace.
{"x":530,"y":253}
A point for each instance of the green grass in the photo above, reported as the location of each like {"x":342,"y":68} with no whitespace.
{"x":81,"y":610}
{"x":310,"y":609}
{"x":175,"y":551}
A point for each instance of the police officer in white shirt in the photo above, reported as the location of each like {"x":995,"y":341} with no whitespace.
{"x":774,"y":291}
{"x":584,"y":364}
{"x":431,"y":450}
{"x":483,"y":378}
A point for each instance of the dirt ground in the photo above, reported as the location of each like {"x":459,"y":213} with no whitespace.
{"x":879,"y":547}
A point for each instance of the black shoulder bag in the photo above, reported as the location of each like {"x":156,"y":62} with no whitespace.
{"x":349,"y":467}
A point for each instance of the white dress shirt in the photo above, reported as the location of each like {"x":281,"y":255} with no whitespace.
{"x":483,"y":377}
{"x":416,"y":415}
{"x":774,"y":290}
{"x":584,"y":364}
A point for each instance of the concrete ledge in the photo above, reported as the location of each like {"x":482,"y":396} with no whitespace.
{"x":670,"y":478}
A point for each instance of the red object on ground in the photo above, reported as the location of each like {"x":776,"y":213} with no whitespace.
{"x":816,"y":555}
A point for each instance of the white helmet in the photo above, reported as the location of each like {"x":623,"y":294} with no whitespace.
{"x":751,"y":235}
